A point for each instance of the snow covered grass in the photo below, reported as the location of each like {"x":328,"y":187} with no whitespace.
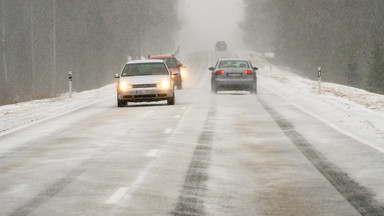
{"x":16,"y":116}
{"x":361,"y":97}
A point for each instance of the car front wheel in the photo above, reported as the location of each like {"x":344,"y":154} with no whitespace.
{"x":121,"y":103}
{"x":171,"y":100}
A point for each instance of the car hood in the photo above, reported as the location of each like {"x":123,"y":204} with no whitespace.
{"x":173,"y":69}
{"x":145,"y":79}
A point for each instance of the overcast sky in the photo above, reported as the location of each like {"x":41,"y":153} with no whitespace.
{"x":208,"y":21}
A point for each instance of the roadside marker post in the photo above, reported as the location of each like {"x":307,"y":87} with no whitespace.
{"x":319,"y":78}
{"x":70,"y":83}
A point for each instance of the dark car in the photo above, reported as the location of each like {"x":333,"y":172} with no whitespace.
{"x":174,"y":67}
{"x":233,"y":74}
{"x":221,"y":46}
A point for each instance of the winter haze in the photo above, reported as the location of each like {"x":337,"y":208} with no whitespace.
{"x":206,"y":21}
{"x":266,"y":135}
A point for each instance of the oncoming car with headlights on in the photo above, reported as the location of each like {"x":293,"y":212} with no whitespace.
{"x":145,"y":81}
{"x":174,"y":67}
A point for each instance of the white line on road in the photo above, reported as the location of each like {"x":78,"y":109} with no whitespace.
{"x":117,"y":210}
{"x":168,"y":131}
{"x":177,"y":116}
{"x":153,"y":153}
{"x":117,"y":196}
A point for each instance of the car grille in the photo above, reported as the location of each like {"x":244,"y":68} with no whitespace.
{"x":144,"y":86}
{"x":145,"y":96}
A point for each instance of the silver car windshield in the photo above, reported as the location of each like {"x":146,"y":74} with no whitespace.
{"x":233,"y":64}
{"x":144,"y":69}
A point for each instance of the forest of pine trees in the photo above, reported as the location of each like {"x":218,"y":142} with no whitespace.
{"x":344,"y":37}
{"x":41,"y":40}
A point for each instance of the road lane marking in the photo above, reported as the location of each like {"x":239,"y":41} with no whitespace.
{"x":177,"y":116}
{"x":168,"y":131}
{"x":117,"y":196}
{"x":153,"y":153}
{"x":118,"y":209}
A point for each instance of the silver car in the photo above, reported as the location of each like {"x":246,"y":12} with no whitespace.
{"x":233,"y":74}
{"x":145,"y":81}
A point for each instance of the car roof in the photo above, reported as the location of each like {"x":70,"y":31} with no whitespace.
{"x":233,"y":59}
{"x":145,"y":61}
{"x":161,"y":57}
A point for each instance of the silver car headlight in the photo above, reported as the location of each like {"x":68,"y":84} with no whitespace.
{"x":125,"y":85}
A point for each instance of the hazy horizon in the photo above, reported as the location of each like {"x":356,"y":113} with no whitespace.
{"x":206,"y":21}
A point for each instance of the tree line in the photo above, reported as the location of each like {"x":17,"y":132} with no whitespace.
{"x":42,"y":40}
{"x":344,"y":37}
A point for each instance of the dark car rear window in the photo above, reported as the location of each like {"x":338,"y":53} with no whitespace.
{"x":144,"y":69}
{"x":233,"y":64}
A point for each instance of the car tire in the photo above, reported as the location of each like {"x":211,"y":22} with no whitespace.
{"x":171,"y":100}
{"x":213,"y":88}
{"x":254,"y":89}
{"x":179,"y":85}
{"x":121,"y":103}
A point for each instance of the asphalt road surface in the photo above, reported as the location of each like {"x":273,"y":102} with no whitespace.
{"x":233,"y":153}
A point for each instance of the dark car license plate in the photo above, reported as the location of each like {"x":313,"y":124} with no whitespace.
{"x":234,"y":74}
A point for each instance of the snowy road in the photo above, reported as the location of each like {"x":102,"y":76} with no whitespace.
{"x":228,"y":154}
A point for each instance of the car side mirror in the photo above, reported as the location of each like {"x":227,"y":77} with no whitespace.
{"x":211,"y":68}
{"x":255,"y":68}
{"x":116,"y":76}
{"x":180,"y":65}
{"x":176,"y":73}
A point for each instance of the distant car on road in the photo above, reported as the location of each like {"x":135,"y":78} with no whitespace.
{"x":174,"y":67}
{"x":145,"y":81}
{"x":233,"y":74}
{"x":221,"y":46}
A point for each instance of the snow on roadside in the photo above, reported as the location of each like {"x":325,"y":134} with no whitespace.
{"x":362,"y":97}
{"x":15,"y":116}
{"x":354,"y":112}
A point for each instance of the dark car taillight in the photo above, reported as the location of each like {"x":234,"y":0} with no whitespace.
{"x":249,"y":72}
{"x":219,"y":72}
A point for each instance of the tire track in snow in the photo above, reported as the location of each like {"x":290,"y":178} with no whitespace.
{"x":361,"y":198}
{"x":191,"y":198}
